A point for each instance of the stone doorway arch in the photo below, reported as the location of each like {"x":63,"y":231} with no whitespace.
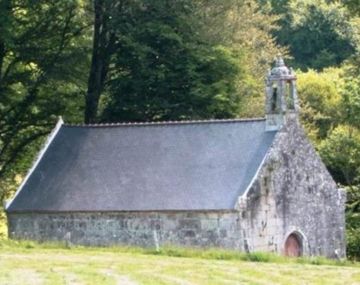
{"x":294,"y":245}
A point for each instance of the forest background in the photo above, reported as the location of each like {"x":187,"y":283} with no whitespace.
{"x":97,"y":61}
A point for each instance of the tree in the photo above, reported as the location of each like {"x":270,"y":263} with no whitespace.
{"x":353,"y":222}
{"x":318,"y":33}
{"x":320,"y":96}
{"x":41,"y":56}
{"x":242,"y":25}
{"x":351,"y":96}
{"x":353,"y":6}
{"x":248,"y":27}
{"x":163,"y":70}
{"x":341,"y":153}
{"x":102,"y":49}
{"x":232,"y":25}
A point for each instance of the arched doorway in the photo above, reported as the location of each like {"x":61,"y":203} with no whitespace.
{"x":293,"y":246}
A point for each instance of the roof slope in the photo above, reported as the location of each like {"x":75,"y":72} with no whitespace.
{"x":183,"y":166}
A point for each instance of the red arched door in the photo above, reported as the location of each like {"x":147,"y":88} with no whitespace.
{"x":293,"y":247}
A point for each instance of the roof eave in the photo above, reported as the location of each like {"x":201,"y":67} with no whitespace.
{"x":122,"y":211}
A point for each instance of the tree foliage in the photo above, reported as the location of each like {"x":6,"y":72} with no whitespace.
{"x":353,"y":6}
{"x":318,"y":33}
{"x":341,"y":153}
{"x":40,"y":42}
{"x":169,"y":59}
{"x":163,"y":70}
{"x":320,"y":98}
{"x":245,"y":26}
{"x":353,"y":222}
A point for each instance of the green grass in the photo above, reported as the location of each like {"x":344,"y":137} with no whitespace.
{"x":27,"y":262}
{"x":210,"y":253}
{"x":3,"y":227}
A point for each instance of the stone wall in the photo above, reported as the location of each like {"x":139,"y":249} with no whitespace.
{"x":199,"y":229}
{"x":294,"y":192}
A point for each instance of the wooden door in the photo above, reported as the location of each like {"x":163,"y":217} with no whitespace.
{"x":293,"y":246}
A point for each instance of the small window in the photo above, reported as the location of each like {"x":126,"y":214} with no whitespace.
{"x":274,"y":98}
{"x":289,"y":96}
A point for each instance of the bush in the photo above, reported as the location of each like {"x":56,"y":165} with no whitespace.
{"x":353,"y":222}
{"x":353,"y":243}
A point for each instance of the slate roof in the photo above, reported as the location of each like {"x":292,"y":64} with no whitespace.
{"x":204,"y":165}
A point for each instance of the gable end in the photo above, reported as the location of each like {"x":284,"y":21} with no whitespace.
{"x":50,"y":138}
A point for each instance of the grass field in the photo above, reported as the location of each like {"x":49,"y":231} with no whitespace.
{"x":28,"y":263}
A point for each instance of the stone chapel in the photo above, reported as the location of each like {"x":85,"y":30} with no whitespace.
{"x":241,"y":184}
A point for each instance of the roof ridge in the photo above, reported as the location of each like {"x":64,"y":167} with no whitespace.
{"x":161,"y":123}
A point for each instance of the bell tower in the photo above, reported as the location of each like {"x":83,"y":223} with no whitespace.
{"x":281,"y":97}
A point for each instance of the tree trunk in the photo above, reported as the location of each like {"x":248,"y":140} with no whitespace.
{"x":2,"y":56}
{"x":103,"y":44}
{"x":94,"y":80}
{"x":5,"y":7}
